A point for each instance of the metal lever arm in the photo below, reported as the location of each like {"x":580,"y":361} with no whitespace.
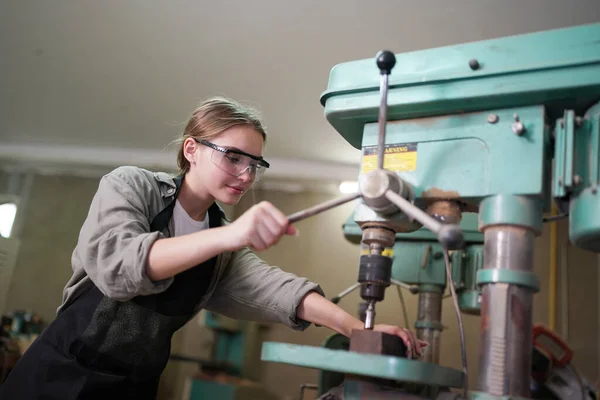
{"x":385,"y":62}
{"x":336,"y":299}
{"x":319,"y":208}
{"x":449,"y":235}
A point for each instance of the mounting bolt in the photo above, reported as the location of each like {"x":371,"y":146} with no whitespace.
{"x":577,"y":180}
{"x":594,"y":189}
{"x":518,"y":127}
{"x":474,"y":64}
{"x":492,"y":118}
{"x":578,"y":121}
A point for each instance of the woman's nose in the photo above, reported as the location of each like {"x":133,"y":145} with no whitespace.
{"x":246,"y":175}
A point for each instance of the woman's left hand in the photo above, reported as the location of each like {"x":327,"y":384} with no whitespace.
{"x":414,"y":346}
{"x":318,"y":310}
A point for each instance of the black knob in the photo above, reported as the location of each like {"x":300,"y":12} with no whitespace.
{"x":451,"y":237}
{"x":474,"y":64}
{"x":386,"y":61}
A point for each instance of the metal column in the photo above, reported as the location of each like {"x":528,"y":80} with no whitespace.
{"x":428,"y":324}
{"x":508,"y":286}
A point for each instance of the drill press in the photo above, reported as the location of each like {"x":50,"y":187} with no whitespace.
{"x":501,"y":128}
{"x":384,"y":194}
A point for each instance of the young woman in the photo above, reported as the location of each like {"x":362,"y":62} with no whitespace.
{"x":153,"y":251}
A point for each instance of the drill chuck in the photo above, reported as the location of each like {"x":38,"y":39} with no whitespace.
{"x":374,"y":275}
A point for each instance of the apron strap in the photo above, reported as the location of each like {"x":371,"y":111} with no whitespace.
{"x":161,"y":220}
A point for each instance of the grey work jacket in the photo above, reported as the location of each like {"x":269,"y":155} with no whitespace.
{"x":114,"y":242}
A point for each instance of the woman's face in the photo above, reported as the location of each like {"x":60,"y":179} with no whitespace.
{"x":226,"y":176}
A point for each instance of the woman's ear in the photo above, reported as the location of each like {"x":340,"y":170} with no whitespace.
{"x":189,"y":150}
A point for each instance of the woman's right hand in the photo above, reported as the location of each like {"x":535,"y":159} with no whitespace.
{"x":260,"y":227}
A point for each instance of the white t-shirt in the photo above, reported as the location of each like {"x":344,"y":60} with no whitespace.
{"x":183,"y":224}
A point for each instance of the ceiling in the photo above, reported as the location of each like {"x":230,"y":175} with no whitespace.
{"x":115,"y":80}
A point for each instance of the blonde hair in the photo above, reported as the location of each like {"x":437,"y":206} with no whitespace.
{"x":214,"y":116}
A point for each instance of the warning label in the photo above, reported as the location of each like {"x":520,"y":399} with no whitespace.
{"x":397,"y":158}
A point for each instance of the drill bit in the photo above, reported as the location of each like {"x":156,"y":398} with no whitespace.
{"x":370,"y":315}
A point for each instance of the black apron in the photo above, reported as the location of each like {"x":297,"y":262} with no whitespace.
{"x":99,"y":348}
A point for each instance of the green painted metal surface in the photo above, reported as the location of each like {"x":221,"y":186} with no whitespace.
{"x":559,"y":68}
{"x":205,"y":389}
{"x":231,"y":341}
{"x":474,"y":263}
{"x":330,"y":379}
{"x":418,"y":263}
{"x":584,"y":226}
{"x":236,"y":346}
{"x":523,"y":211}
{"x":379,"y":366}
{"x":592,"y":145}
{"x":467,"y":158}
{"x":500,"y":275}
{"x":458,"y":265}
{"x":469,"y":302}
{"x":211,"y":390}
{"x":469,"y":294}
{"x":577,"y":174}
{"x":563,"y":154}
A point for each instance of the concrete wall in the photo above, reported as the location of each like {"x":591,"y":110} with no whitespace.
{"x":54,"y":213}
{"x":59,"y":204}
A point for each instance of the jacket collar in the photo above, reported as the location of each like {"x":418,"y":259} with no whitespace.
{"x":169,"y":185}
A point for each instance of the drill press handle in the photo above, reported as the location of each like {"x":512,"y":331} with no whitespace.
{"x":383,"y":190}
{"x":321,"y":207}
{"x":386,"y":60}
{"x":449,"y":235}
{"x":386,"y":193}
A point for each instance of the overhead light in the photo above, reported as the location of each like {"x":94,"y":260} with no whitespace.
{"x":349,"y":187}
{"x":8,"y":211}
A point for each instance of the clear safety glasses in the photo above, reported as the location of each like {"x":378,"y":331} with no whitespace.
{"x":236,"y":162}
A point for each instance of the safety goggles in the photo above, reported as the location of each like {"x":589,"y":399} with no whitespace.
{"x":236,"y":162}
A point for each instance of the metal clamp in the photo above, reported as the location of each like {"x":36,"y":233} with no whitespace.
{"x":499,"y":275}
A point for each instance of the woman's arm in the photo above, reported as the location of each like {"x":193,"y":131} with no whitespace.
{"x":317,"y":309}
{"x":259,"y":228}
{"x":170,"y":256}
{"x":320,"y":311}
